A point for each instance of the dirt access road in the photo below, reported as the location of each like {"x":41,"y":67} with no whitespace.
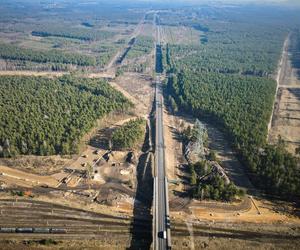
{"x":285,"y":120}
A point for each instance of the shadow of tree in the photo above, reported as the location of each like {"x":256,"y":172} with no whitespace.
{"x":100,"y":139}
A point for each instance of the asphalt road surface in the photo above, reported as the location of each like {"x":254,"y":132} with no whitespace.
{"x":161,"y":192}
{"x":161,"y":206}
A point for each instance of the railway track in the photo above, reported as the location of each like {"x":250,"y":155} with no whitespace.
{"x":77,"y":224}
{"x":31,"y":215}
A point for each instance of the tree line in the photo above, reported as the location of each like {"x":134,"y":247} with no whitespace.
{"x":12,"y":52}
{"x":75,"y":33}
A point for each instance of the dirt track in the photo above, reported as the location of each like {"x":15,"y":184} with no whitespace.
{"x":22,"y":178}
{"x":285,"y":121}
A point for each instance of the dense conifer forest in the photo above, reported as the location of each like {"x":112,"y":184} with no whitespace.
{"x":12,"y":52}
{"x":128,"y":135}
{"x":49,"y":116}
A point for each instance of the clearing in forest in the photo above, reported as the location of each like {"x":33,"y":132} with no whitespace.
{"x":286,"y":116}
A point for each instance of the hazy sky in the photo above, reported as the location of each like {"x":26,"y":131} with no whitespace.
{"x":182,"y":1}
{"x":229,"y":1}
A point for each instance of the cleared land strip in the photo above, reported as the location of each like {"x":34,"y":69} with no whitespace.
{"x":282,"y":67}
{"x":32,"y":73}
{"x":53,"y":73}
{"x":285,"y":120}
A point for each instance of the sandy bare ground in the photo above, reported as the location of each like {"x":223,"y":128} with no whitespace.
{"x":22,"y":178}
{"x":263,"y":217}
{"x":107,"y":74}
{"x":285,"y":120}
{"x":32,"y":73}
{"x":180,"y":35}
{"x":171,"y":144}
{"x":139,"y":107}
{"x":281,"y":70}
{"x":231,"y":235}
{"x":40,"y":165}
{"x":137,"y":88}
{"x":227,"y":157}
{"x":266,"y":212}
{"x":174,"y":151}
{"x":206,"y":229}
